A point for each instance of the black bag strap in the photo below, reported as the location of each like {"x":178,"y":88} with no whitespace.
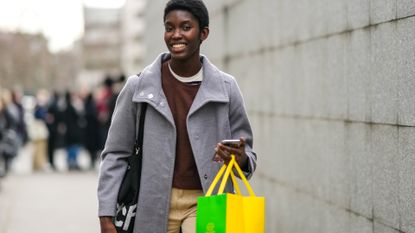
{"x":140,"y":128}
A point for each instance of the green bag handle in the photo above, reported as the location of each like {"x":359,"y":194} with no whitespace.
{"x":227,"y":169}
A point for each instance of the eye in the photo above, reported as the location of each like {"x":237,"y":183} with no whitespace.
{"x":168,"y":28}
{"x":186,"y":27}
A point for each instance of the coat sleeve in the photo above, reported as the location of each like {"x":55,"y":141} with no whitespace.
{"x":240,"y":126}
{"x":119,"y":145}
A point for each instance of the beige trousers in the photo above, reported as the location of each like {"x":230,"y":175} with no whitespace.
{"x":39,"y":154}
{"x":183,"y":210}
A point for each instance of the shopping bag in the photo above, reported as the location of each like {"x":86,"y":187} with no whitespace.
{"x":230,"y":213}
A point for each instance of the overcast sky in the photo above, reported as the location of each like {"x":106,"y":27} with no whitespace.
{"x":61,"y":21}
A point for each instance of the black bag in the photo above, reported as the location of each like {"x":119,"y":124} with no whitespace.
{"x":130,"y":186}
{"x":9,"y":143}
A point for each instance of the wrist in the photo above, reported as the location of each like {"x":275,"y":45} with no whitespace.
{"x":105,"y":219}
{"x":244,"y":163}
{"x":106,"y":224}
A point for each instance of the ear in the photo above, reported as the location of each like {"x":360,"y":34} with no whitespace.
{"x":204,"y":33}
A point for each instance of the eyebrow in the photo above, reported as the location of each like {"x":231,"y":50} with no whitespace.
{"x":185,"y":21}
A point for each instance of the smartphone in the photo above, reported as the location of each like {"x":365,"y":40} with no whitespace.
{"x":231,"y":142}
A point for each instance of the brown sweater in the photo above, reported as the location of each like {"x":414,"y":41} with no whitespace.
{"x":180,"y":97}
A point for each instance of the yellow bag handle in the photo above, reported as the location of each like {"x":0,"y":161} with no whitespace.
{"x":235,"y":184}
{"x":227,"y":169}
{"x":215,"y":180}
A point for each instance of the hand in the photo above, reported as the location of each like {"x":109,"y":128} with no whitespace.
{"x":107,"y":226}
{"x":223,"y":153}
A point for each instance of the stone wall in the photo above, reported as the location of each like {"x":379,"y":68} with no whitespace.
{"x":330,"y":90}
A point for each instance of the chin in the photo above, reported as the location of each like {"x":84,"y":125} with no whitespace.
{"x":179,"y":56}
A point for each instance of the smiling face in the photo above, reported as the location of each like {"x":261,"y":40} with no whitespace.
{"x":183,"y":36}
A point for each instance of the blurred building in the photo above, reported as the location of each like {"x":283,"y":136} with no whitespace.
{"x":101,"y":44}
{"x":67,"y":66}
{"x":132,"y":49}
{"x":24,"y":59}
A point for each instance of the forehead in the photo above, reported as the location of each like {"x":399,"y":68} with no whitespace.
{"x":179,"y":15}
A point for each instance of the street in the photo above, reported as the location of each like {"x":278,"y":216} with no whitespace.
{"x":48,"y":202}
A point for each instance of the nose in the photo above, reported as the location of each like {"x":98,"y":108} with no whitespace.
{"x":177,"y":33}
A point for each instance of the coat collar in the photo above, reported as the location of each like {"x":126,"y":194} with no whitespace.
{"x":150,"y":90}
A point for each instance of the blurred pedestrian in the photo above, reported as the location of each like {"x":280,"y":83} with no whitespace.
{"x":192,"y":106}
{"x":18,"y":113}
{"x":9,"y":138}
{"x":92,"y":143}
{"x":53,"y":118}
{"x":74,"y":125}
{"x":38,"y":131}
{"x":104,"y":106}
{"x":3,"y":128}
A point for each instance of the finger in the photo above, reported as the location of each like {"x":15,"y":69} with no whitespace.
{"x":226,"y":148}
{"x":243,"y":141}
{"x":216,"y":156}
{"x":234,"y":150}
{"x":225,"y":152}
{"x":221,"y":152}
{"x":226,"y":156}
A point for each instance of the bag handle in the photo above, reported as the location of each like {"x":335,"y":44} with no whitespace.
{"x":227,"y":169}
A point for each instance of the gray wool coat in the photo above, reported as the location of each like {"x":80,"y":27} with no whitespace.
{"x":217,"y":113}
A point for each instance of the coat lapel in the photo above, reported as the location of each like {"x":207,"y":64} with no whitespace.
{"x":149,"y":88}
{"x":212,"y":88}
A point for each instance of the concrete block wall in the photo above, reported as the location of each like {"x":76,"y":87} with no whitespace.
{"x":330,"y":90}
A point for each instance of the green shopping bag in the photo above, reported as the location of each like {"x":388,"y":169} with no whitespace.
{"x":230,"y":213}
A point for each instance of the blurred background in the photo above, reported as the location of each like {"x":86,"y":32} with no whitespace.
{"x":328,"y":84}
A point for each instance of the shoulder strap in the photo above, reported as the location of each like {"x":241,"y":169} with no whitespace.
{"x":140,"y":127}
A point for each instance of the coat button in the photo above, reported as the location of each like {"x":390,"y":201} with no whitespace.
{"x":141,"y":93}
{"x":205,"y":176}
{"x":150,"y":96}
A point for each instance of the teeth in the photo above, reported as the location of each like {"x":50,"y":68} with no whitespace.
{"x":178,"y":45}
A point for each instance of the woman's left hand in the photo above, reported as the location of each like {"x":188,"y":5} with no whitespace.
{"x":224,"y":152}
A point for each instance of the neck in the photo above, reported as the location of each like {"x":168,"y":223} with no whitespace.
{"x":186,"y":68}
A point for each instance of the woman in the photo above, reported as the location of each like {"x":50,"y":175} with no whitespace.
{"x":192,"y":106}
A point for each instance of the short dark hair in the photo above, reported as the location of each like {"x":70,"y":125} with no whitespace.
{"x":196,"y":7}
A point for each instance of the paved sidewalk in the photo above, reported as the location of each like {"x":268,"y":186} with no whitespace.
{"x":50,"y":202}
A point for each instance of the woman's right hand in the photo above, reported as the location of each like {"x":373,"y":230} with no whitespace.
{"x":107,"y":226}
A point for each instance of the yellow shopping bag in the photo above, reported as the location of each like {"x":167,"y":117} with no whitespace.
{"x":230,"y":213}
